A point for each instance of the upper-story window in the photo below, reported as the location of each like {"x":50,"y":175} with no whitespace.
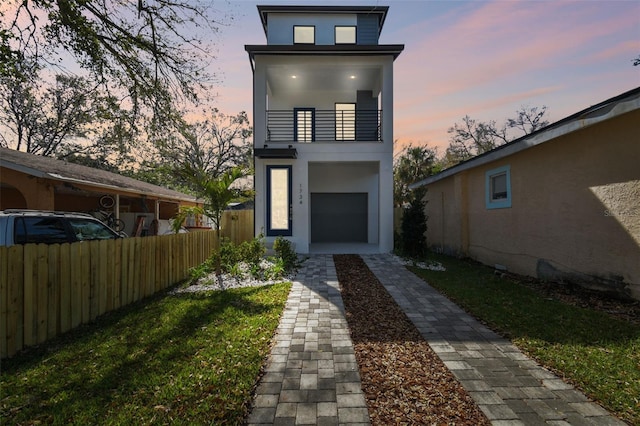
{"x":304,"y":34}
{"x":345,"y":34}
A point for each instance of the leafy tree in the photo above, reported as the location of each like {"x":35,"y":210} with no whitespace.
{"x":217,"y":192}
{"x":411,"y":165}
{"x":47,"y":122}
{"x":148,"y":49}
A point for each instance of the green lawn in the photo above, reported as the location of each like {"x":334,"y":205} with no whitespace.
{"x":178,"y":359}
{"x":596,"y":352}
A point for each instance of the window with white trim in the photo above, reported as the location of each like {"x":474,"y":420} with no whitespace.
{"x":304,"y":34}
{"x":498,"y":188}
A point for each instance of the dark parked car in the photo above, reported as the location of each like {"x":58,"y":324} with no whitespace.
{"x":50,"y":227}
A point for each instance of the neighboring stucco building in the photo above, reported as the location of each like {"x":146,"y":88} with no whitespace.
{"x":561,"y":204}
{"x":323,"y":128}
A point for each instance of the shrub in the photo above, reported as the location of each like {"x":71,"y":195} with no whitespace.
{"x":284,"y":250}
{"x":414,"y":227}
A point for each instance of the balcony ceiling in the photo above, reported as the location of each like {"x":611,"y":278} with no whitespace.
{"x":323,"y":77}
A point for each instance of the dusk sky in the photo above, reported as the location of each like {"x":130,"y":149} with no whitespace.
{"x":484,"y":59}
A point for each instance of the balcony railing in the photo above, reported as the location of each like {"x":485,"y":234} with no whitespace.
{"x":312,"y":125}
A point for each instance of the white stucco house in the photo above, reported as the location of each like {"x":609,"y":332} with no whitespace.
{"x":323,"y":128}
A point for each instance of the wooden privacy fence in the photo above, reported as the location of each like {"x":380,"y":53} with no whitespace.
{"x":237,"y":225}
{"x":46,"y":290}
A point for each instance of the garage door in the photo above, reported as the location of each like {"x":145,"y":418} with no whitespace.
{"x":339,"y":218}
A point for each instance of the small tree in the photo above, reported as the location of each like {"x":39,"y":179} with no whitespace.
{"x":411,"y":165}
{"x":414,"y":226}
{"x":218,"y":192}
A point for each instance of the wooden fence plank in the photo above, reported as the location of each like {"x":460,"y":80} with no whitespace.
{"x":30,"y":295}
{"x":94,"y":278}
{"x":85,"y":280}
{"x":15,"y":293}
{"x":65,"y":287}
{"x":75,"y":273}
{"x":53,"y":287}
{"x":115,"y":255}
{"x":124,"y":271}
{"x":42,"y":291}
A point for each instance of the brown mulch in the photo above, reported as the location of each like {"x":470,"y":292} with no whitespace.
{"x":403,"y":380}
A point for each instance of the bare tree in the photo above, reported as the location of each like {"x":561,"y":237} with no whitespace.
{"x":198,"y":152}
{"x":528,"y":119}
{"x":471,"y":138}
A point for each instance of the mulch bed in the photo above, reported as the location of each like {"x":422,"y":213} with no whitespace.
{"x":404,"y":381}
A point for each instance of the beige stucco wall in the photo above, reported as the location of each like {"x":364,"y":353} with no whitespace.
{"x":575,"y":213}
{"x":37,"y":193}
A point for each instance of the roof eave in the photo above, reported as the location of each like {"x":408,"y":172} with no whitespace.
{"x":286,"y":49}
{"x":621,"y":104}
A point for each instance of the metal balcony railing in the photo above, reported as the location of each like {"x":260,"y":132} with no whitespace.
{"x":312,"y":125}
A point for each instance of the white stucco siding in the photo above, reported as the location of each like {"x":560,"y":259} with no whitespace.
{"x":280,"y":29}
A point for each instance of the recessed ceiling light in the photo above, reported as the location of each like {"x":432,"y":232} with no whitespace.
{"x":353,"y":77}
{"x":294,"y":76}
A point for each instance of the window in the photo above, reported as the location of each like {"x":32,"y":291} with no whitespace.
{"x":279,"y":202}
{"x":48,"y":230}
{"x":304,"y":124}
{"x":345,"y":35}
{"x":304,"y":34}
{"x":498,"y":188}
{"x":87,"y":229}
{"x":345,"y":122}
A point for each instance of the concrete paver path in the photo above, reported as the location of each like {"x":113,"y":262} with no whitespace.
{"x":509,"y":387}
{"x":312,"y":376}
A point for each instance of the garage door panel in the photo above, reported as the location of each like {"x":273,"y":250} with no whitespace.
{"x":339,"y":217}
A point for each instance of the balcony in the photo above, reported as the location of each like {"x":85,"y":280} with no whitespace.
{"x":304,"y":125}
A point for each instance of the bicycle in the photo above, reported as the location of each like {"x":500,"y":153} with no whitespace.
{"x":108,"y":217}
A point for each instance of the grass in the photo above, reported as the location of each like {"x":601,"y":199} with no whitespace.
{"x":596,"y":352}
{"x":180,"y":359}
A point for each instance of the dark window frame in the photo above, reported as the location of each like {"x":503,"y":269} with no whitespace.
{"x":295,"y":123}
{"x":279,"y":232}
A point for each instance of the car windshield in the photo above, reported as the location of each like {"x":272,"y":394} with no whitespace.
{"x":87,"y":229}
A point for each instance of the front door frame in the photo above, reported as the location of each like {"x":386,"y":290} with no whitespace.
{"x":279,"y":231}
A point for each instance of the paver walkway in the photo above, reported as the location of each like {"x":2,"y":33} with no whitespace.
{"x":509,"y":387}
{"x":312,"y":375}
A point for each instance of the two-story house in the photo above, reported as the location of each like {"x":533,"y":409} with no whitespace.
{"x":323,"y":128}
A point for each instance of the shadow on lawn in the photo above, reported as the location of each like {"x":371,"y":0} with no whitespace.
{"x":129,"y":356}
{"x":518,"y":311}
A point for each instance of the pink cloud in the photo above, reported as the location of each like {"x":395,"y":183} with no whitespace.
{"x":490,"y":59}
